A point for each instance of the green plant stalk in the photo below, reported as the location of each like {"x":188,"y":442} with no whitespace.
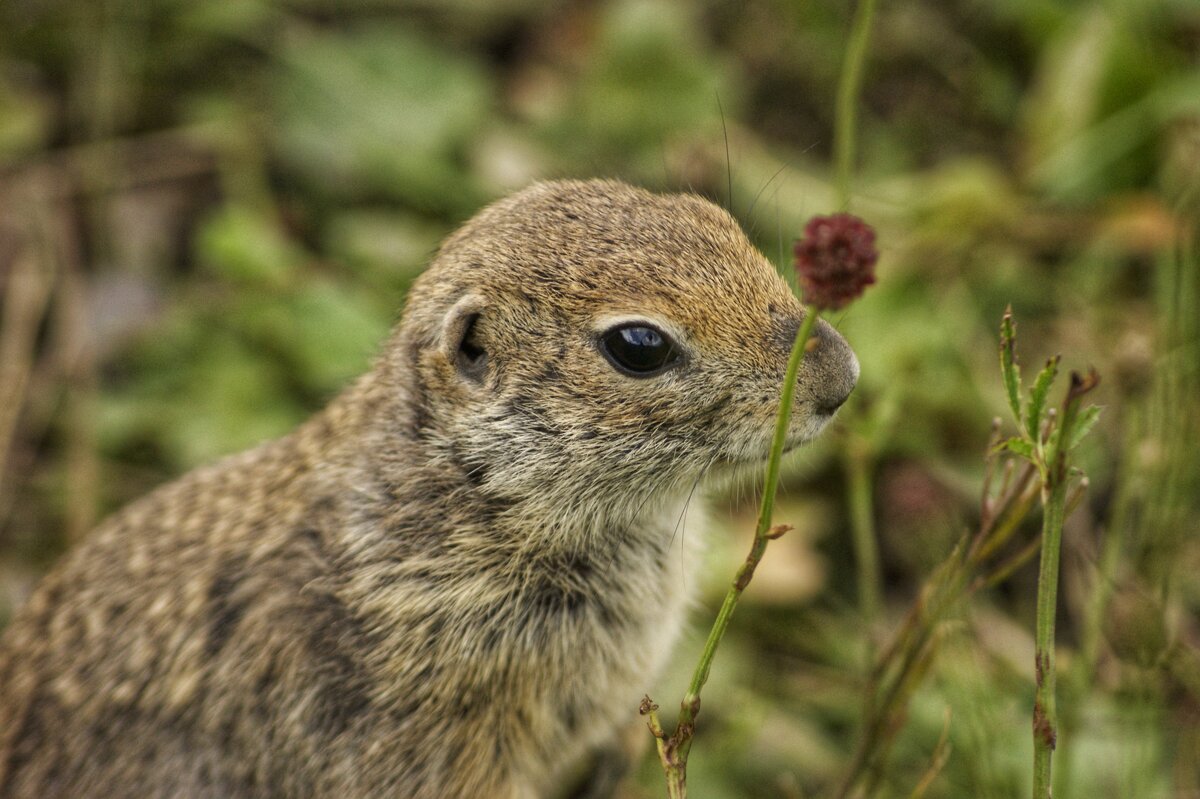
{"x":846,"y":108}
{"x":1045,"y":713}
{"x":1055,"y":479}
{"x":675,"y":770}
{"x":673,"y":750}
{"x":858,"y":473}
{"x":858,"y":464}
{"x":691,"y":701}
{"x":1082,"y":673}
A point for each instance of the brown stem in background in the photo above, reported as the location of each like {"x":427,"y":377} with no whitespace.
{"x":83,"y":468}
{"x":26,"y":299}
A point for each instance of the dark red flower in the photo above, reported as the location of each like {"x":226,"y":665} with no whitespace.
{"x":835,"y":260}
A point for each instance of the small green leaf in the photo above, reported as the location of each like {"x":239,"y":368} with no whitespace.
{"x":1037,"y":397}
{"x":1017,"y":446}
{"x":1083,"y":425}
{"x":1008,"y":363}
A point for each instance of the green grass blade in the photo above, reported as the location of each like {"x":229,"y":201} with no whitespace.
{"x":1008,"y":363}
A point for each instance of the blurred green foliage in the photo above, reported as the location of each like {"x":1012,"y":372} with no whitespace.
{"x":224,"y":203}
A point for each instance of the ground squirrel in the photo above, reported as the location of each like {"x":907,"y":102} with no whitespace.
{"x":463,"y":574}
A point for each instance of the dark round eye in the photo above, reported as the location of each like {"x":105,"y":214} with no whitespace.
{"x":639,"y":350}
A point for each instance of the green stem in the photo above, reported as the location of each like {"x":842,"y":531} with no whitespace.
{"x":858,"y":463}
{"x":846,"y":111}
{"x":1081,"y":676}
{"x":1045,"y":714}
{"x":691,"y":701}
{"x":866,"y":551}
{"x":677,"y":782}
{"x":1055,"y":479}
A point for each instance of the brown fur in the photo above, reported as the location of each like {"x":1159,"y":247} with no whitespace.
{"x":452,"y":582}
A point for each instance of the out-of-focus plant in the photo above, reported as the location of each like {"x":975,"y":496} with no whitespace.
{"x":1034,"y":463}
{"x":1046,"y":441}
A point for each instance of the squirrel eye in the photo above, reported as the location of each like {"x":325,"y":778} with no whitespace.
{"x":639,"y":350}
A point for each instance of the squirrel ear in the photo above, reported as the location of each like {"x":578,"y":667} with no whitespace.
{"x":459,"y":342}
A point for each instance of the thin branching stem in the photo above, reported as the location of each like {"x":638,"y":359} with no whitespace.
{"x":1056,"y":475}
{"x":691,"y":702}
{"x":1045,"y":713}
{"x":673,"y":750}
{"x":1045,"y":473}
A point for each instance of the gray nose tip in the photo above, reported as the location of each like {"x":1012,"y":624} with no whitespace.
{"x":834,"y":369}
{"x":830,"y":406}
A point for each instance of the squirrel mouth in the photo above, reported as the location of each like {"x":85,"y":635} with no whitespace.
{"x":745,"y":460}
{"x":749,"y":458}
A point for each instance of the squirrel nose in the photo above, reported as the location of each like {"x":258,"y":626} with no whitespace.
{"x":828,"y":408}
{"x":834,"y":369}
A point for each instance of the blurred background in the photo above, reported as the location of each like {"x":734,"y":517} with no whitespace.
{"x":210,"y":212}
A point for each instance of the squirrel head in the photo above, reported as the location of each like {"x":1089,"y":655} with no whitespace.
{"x":594,"y":344}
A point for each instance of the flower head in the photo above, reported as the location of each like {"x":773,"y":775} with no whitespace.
{"x":835,"y":260}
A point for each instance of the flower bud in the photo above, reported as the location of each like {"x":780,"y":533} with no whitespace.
{"x":835,"y":261}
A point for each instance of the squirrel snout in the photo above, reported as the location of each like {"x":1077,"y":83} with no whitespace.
{"x":832,"y":370}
